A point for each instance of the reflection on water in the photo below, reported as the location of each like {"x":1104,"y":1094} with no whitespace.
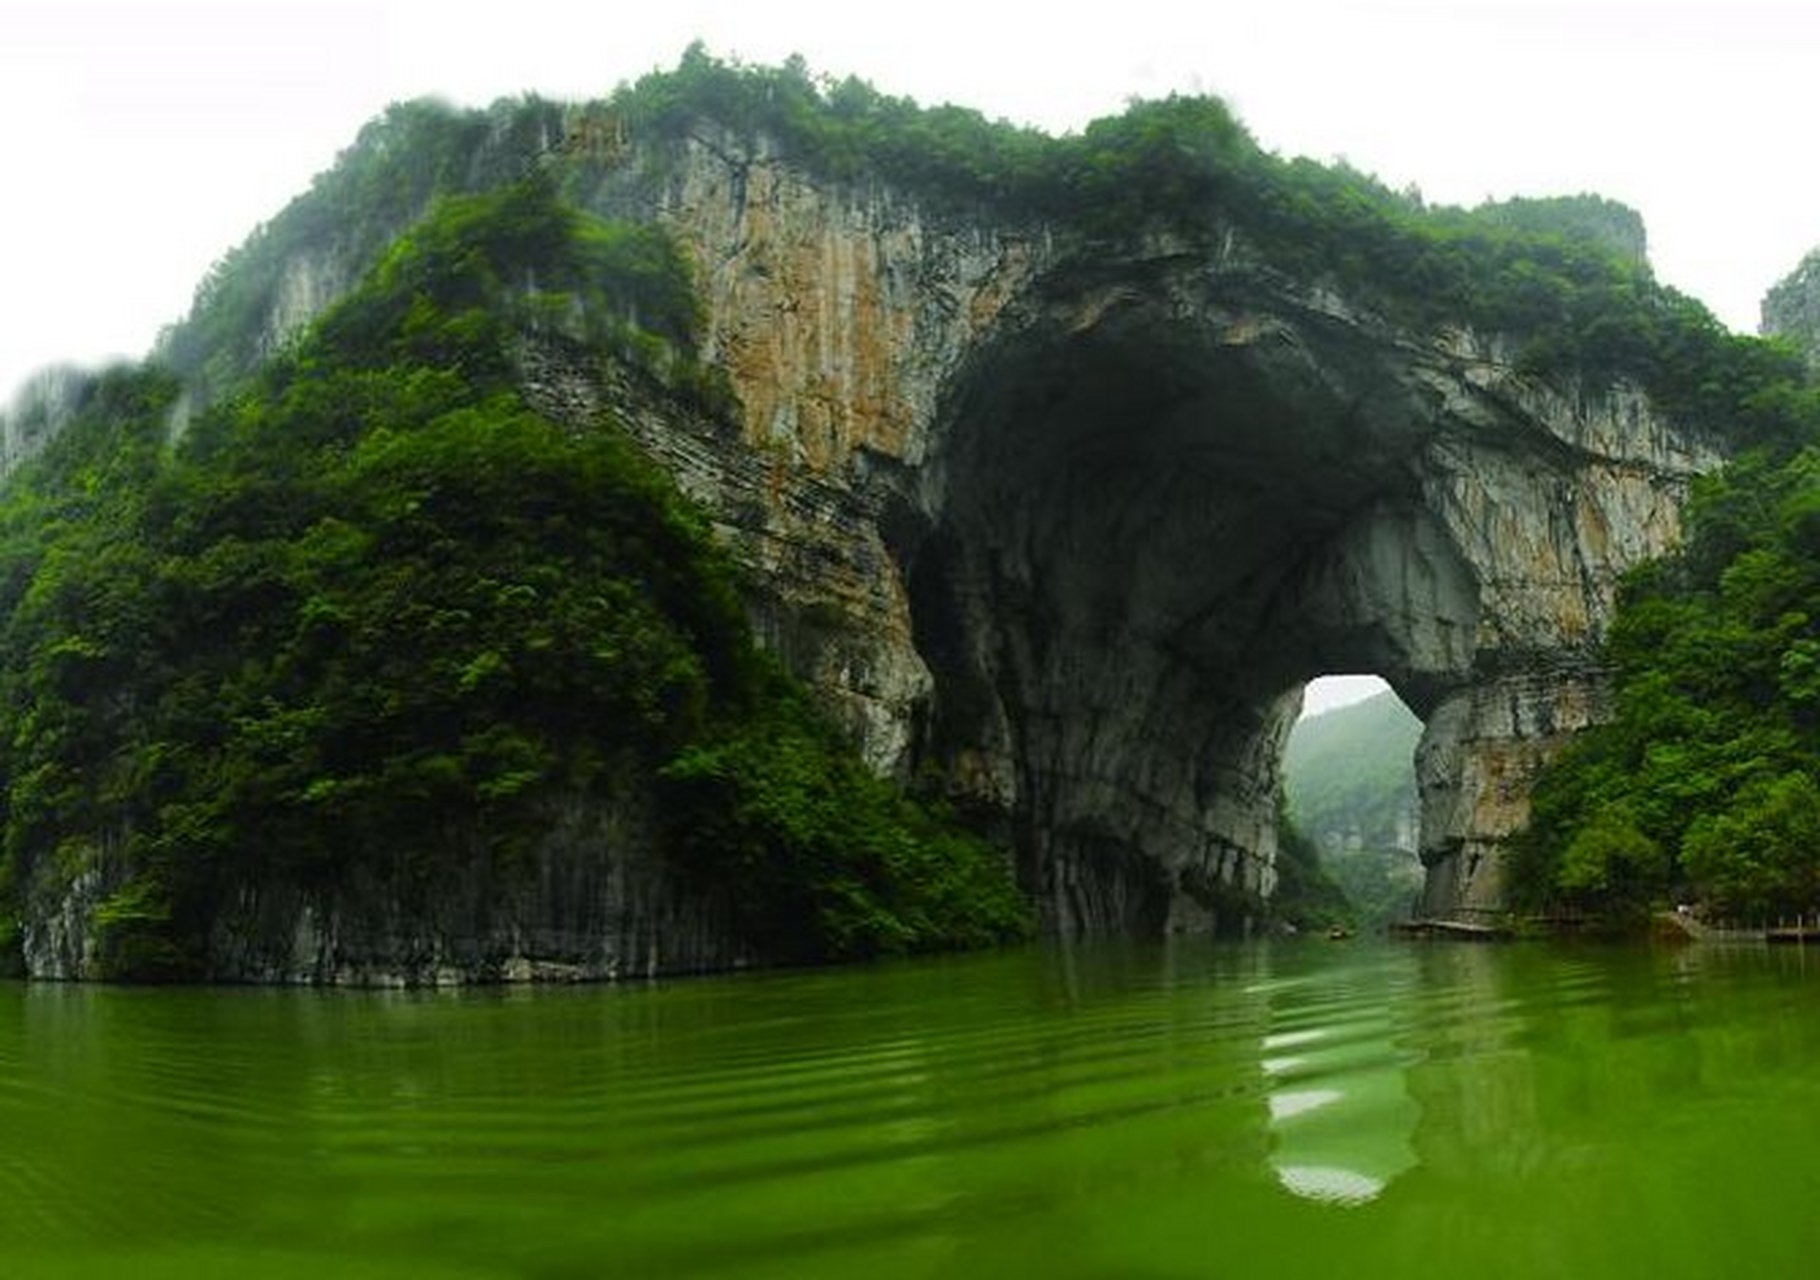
{"x":1341,"y":1118}
{"x":1295,"y":1109}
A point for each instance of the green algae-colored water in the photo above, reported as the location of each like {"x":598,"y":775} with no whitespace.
{"x":1289,"y":1109}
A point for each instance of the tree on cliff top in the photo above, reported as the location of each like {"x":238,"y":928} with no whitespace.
{"x":1566,"y":276}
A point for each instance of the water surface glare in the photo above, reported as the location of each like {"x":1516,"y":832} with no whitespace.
{"x":1284,"y":1109}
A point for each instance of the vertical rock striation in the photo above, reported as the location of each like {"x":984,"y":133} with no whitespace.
{"x":1169,"y":503}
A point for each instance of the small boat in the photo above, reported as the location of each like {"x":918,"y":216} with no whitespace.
{"x":1338,"y":933}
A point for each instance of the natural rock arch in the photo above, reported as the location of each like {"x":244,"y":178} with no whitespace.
{"x":1168,"y":494}
{"x":1074,"y":522}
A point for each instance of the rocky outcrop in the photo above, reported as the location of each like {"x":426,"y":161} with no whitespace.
{"x":842,"y":313}
{"x":590,"y":901}
{"x":1791,"y":309}
{"x":40,"y":409}
{"x":1169,"y":505}
{"x":1067,"y":524}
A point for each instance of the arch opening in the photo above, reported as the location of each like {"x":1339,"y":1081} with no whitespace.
{"x":1153,"y":508}
{"x":1349,"y":782}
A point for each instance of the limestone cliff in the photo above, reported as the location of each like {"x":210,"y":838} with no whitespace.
{"x":1067,"y":520}
{"x":592,"y":903}
{"x":1226,"y":484}
{"x":1072,"y":521}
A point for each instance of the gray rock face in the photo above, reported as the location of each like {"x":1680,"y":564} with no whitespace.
{"x":1163,"y":512}
{"x":590,"y":902}
{"x":1791,"y":309}
{"x":42,"y":407}
{"x":1069,"y":525}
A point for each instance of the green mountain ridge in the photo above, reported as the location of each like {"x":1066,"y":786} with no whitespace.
{"x":1349,"y":775}
{"x":1566,"y":277}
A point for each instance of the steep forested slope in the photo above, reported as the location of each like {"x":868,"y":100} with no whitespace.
{"x":1349,"y":775}
{"x":375,"y":622}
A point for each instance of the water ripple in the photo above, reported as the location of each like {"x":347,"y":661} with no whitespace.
{"x":1078,"y":1114}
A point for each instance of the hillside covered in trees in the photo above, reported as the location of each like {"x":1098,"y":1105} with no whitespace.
{"x":1705,"y":787}
{"x":374,"y":620}
{"x":1350,"y":784}
{"x":1565,"y":277}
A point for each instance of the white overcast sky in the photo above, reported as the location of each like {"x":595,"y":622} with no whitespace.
{"x":143,"y":138}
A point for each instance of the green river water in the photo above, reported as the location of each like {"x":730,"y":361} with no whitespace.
{"x":1284,"y":1109}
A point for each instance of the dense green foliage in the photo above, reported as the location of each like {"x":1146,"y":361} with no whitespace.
{"x":1349,"y":773}
{"x":1306,"y":896}
{"x":1349,"y":776}
{"x":773,"y":804}
{"x":1588,"y":218}
{"x":1383,"y":885}
{"x":1704,"y":784}
{"x":1564,"y":279}
{"x":176,"y":625}
{"x":375,"y":617}
{"x":386,"y":181}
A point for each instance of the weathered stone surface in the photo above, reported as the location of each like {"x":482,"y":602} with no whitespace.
{"x":591,"y":901}
{"x":1068,"y":524}
{"x":842,"y":313}
{"x":1135,"y":495}
{"x":1165,"y":508}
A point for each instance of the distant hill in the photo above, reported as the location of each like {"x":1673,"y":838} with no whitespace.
{"x":1349,"y":775}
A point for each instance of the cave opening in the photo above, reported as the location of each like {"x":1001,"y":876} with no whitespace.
{"x":1147,"y":523}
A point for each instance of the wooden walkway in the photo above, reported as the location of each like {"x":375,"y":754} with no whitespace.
{"x":1800,"y":935}
{"x":1803,"y":933}
{"x":1669,"y":925}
